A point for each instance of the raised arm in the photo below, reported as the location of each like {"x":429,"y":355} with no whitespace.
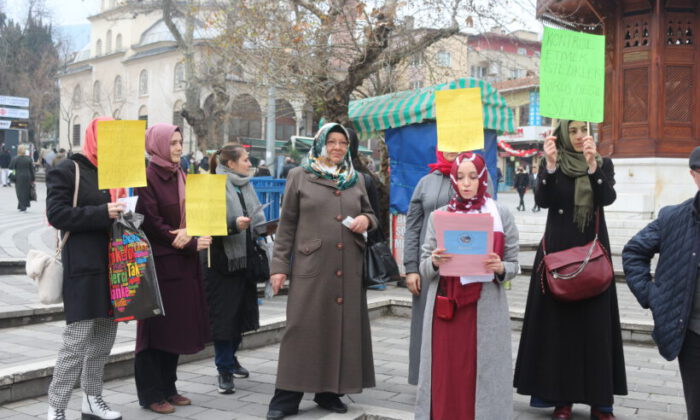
{"x":603,"y":182}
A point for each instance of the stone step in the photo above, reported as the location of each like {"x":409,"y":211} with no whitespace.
{"x":31,"y":379}
{"x":39,"y":313}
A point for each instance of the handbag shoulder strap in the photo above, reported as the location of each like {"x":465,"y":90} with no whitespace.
{"x":597,"y":229}
{"x":75,"y":204}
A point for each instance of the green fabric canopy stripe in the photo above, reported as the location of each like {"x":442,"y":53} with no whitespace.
{"x":410,"y":107}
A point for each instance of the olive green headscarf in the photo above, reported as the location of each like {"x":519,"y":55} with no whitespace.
{"x":573,"y":164}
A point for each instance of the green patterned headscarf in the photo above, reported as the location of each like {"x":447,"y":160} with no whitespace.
{"x":319,"y":163}
{"x":573,"y":164}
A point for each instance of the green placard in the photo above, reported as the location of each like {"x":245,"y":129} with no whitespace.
{"x":572,"y":75}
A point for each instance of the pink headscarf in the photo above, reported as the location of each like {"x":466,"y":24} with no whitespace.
{"x":90,"y":144}
{"x":90,"y":152}
{"x":158,"y":139}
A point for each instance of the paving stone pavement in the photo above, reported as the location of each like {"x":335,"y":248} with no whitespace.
{"x":20,"y":232}
{"x":655,"y":387}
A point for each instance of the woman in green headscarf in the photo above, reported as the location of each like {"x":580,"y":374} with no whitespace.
{"x":326,"y":348}
{"x":571,"y":352}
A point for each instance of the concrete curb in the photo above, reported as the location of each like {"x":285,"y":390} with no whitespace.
{"x":33,"y":378}
{"x":9,"y":266}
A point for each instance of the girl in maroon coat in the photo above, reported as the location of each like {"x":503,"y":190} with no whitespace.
{"x":184,"y":329}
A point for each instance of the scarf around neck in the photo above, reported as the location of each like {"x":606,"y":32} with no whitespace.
{"x":235,"y":246}
{"x":158,"y":139}
{"x":573,"y":165}
{"x":319,"y":164}
{"x":480,"y":203}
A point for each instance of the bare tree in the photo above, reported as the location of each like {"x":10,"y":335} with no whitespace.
{"x":329,"y":49}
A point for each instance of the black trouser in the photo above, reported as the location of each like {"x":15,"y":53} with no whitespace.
{"x":155,"y":373}
{"x":689,"y":364}
{"x":288,"y":401}
{"x":521,"y":193}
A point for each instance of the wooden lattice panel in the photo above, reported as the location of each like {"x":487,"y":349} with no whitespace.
{"x":635,"y":95}
{"x":636,"y":32}
{"x":679,"y":29}
{"x":678,"y":86}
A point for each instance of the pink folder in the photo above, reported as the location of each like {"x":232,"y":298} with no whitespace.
{"x":468,"y":238}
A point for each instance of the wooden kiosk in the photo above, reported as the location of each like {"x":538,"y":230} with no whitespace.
{"x":652,"y":92}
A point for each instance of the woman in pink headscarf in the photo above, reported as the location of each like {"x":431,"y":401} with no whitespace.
{"x":90,"y":330}
{"x":184,"y":329}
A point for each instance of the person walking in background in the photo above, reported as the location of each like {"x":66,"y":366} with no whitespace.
{"x":432,"y":192}
{"x":673,"y":295}
{"x":5,"y":159}
{"x":23,"y":166}
{"x":185,"y":328}
{"x":262,"y":169}
{"x":204,"y":163}
{"x":59,"y":157}
{"x":571,"y":352}
{"x":521,"y":183}
{"x":89,"y":333}
{"x":533,"y":187}
{"x":289,"y":164}
{"x":467,"y":352}
{"x":327,"y":346}
{"x":231,"y":280}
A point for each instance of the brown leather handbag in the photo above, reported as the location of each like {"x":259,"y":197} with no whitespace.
{"x":577,"y":273}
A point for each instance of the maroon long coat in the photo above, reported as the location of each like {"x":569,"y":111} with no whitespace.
{"x":185,"y":328}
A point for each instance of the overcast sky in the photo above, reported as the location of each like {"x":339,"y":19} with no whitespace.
{"x":63,"y":12}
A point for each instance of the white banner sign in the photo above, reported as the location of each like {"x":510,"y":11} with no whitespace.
{"x":14,"y":113}
{"x":5,"y":124}
{"x":14,"y":101}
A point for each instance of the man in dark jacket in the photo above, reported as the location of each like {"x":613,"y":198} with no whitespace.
{"x":520,"y":183}
{"x":674,"y":294}
{"x":5,"y":159}
{"x":533,"y":185}
{"x":289,"y":164}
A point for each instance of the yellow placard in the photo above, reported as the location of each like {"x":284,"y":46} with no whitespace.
{"x":121,"y":154}
{"x":205,"y":205}
{"x":460,"y":120}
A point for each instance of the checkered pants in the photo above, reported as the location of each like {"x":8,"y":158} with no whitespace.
{"x":86,"y":347}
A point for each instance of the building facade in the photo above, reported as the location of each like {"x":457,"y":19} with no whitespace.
{"x":132,"y":69}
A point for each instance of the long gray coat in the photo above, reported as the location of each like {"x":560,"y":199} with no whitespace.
{"x":494,"y":391}
{"x":433,"y":190}
{"x":327,"y":344}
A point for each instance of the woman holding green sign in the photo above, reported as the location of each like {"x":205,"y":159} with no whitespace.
{"x":571,"y":351}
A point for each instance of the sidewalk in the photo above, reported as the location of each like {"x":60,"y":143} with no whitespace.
{"x":654,"y":385}
{"x":20,"y":232}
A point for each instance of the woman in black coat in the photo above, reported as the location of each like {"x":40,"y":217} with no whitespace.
{"x":24,"y":177}
{"x":90,"y":331}
{"x":571,"y":352}
{"x":230,"y":282}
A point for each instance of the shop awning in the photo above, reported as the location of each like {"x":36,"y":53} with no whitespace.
{"x":415,"y":106}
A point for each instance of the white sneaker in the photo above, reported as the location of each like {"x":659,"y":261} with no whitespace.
{"x":55,"y":414}
{"x":94,"y":408}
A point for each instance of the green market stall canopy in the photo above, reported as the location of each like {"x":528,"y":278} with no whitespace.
{"x":415,"y":106}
